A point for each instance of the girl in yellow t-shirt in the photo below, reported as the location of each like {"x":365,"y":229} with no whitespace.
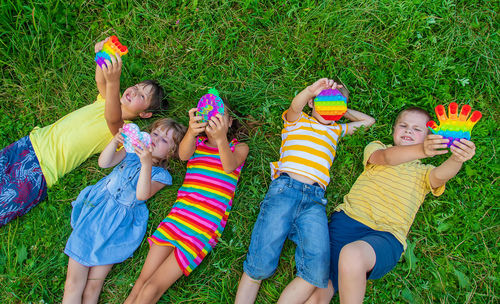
{"x":35,"y":162}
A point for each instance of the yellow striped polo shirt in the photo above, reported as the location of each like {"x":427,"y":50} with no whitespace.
{"x":387,"y":198}
{"x":308,"y":148}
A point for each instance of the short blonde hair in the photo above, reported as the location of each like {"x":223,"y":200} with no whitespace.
{"x":413,"y":109}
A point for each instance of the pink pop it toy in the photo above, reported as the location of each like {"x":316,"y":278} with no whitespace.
{"x":133,"y":136}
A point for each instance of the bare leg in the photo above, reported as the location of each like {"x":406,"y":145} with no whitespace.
{"x":322,"y":295}
{"x":76,"y":279}
{"x":156,"y":256}
{"x":297,"y":291}
{"x":160,"y":281}
{"x":355,"y":260}
{"x":95,"y":280}
{"x":247,"y":290}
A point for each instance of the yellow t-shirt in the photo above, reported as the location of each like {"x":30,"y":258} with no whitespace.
{"x":65,"y":144}
{"x":387,"y":198}
{"x":308,"y":148}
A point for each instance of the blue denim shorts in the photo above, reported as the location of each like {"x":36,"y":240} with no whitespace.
{"x":293,"y":210}
{"x":345,"y":230}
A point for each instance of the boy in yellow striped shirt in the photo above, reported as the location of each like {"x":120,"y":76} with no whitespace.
{"x":294,"y":206}
{"x":368,"y":231}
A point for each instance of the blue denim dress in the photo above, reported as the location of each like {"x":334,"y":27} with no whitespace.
{"x":108,"y":220}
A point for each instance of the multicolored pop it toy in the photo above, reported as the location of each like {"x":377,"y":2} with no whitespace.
{"x":132,"y":135}
{"x":454,"y":127}
{"x":110,"y":48}
{"x":210,"y":104}
{"x":330,"y":104}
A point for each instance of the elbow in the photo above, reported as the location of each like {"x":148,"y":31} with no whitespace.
{"x":142,"y":196}
{"x":228,"y":169}
{"x":370,"y":121}
{"x":184,"y":157}
{"x":367,"y":121}
{"x":102,"y":164}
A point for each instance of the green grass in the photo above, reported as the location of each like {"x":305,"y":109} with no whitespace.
{"x":390,"y":54}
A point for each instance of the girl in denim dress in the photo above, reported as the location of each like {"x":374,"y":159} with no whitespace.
{"x":109,"y":219}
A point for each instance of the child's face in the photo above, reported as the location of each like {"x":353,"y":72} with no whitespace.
{"x":137,"y":99}
{"x":410,"y":129}
{"x":162,"y":141}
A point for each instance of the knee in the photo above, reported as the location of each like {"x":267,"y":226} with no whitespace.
{"x":150,"y":291}
{"x":74,"y":283}
{"x":322,"y":295}
{"x":141,"y":280}
{"x":352,"y":260}
{"x":92,"y":288}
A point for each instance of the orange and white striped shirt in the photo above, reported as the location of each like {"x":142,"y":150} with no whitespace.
{"x":308,"y":148}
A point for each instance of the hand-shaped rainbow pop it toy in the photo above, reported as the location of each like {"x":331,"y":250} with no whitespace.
{"x":330,"y":104}
{"x":132,"y":135}
{"x":110,"y":48}
{"x":210,"y":104}
{"x":454,"y":127}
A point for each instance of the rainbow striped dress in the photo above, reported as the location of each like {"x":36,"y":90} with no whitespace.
{"x":200,"y":212}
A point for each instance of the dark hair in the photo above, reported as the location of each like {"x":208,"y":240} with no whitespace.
{"x":414,"y":109}
{"x":237,"y":130}
{"x":344,"y":91}
{"x":179,"y":131}
{"x":157,"y":96}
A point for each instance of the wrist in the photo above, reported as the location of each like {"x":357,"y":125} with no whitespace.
{"x":112,"y":83}
{"x":191,"y":133}
{"x":309,"y":93}
{"x":221,"y":141}
{"x":456,"y":159}
{"x":422,"y":151}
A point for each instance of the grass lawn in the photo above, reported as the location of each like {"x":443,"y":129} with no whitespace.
{"x":390,"y":54}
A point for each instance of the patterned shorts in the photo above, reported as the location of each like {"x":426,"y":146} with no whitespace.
{"x":22,"y":184}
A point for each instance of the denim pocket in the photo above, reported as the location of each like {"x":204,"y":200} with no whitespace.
{"x":277,"y":187}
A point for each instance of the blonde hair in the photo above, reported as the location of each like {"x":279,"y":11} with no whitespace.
{"x":413,"y":109}
{"x":178,"y":132}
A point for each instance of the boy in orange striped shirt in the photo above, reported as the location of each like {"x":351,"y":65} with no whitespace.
{"x":294,"y":206}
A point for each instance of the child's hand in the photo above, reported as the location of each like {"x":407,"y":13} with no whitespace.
{"x":322,"y":84}
{"x":112,"y":70}
{"x":144,"y":153}
{"x":119,"y":137}
{"x":217,"y":127}
{"x":195,"y":127}
{"x":462,"y":150}
{"x":435,"y":145}
{"x":99,"y":45}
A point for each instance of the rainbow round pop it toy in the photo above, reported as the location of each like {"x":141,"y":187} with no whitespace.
{"x":132,"y":136}
{"x":110,"y":48}
{"x":210,"y":104}
{"x":454,"y":126}
{"x":330,"y":104}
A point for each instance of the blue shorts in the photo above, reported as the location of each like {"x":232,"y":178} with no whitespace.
{"x":345,"y":230}
{"x":293,"y":210}
{"x":22,"y":184}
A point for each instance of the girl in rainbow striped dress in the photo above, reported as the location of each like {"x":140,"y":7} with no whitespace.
{"x":199,"y":215}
